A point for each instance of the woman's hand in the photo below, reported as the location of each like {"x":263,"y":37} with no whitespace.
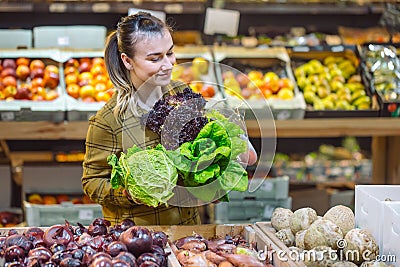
{"x":249,"y":157}
{"x":128,"y":196}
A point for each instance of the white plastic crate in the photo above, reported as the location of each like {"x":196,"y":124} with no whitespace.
{"x":28,"y":110}
{"x":78,"y":110}
{"x":77,"y":36}
{"x":47,"y":215}
{"x":369,"y":207}
{"x":390,"y":250}
{"x":15,"y":38}
{"x":261,"y":58}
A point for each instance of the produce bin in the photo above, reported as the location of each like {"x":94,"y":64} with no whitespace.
{"x":52,"y":109}
{"x":195,"y":66}
{"x":380,"y":66}
{"x":79,"y":109}
{"x":47,"y":215}
{"x":249,"y":93}
{"x":370,"y":210}
{"x":332,"y":84}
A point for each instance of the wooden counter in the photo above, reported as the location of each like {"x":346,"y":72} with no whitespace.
{"x":385,"y":133}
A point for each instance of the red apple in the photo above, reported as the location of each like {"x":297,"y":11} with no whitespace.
{"x":37,"y":73}
{"x":9,"y":91}
{"x":62,"y":198}
{"x":71,"y":70}
{"x":48,"y":200}
{"x":23,"y":93}
{"x":72,"y":62}
{"x":38,"y":82}
{"x":9,"y":63}
{"x":51,"y":68}
{"x":22,"y":72}
{"x":36,"y":64}
{"x":9,"y":80}
{"x":23,"y":61}
{"x":98,"y":69}
{"x":8,"y":72}
{"x":71,"y":79}
{"x":98,"y":61}
{"x":84,"y":67}
{"x":51,"y":79}
{"x":73,"y":90}
{"x":87,"y":91}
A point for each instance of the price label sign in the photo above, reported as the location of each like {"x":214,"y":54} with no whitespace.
{"x":63,"y":41}
{"x":221,"y":21}
{"x":7,"y":116}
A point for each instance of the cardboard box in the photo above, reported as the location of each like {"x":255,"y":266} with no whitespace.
{"x":390,"y":250}
{"x":370,"y":205}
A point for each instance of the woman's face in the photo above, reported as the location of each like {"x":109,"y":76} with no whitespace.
{"x":154,"y":57}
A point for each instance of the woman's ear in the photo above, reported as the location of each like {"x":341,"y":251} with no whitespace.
{"x":127,"y":61}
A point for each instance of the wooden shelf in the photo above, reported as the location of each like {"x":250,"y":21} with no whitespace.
{"x":43,"y":130}
{"x":385,"y":133}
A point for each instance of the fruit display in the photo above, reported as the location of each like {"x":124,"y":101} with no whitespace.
{"x":381,"y":67}
{"x":332,"y":83}
{"x":52,"y":199}
{"x":23,"y":78}
{"x":197,"y":74}
{"x":86,"y":79}
{"x":97,"y":244}
{"x":258,"y":84}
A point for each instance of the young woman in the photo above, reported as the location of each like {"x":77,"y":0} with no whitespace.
{"x":139,"y":59}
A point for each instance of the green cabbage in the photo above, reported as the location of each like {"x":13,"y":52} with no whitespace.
{"x":148,"y":175}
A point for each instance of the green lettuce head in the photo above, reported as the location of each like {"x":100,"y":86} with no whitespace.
{"x":148,"y":175}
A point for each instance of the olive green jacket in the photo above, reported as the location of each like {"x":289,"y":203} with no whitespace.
{"x":104,"y":137}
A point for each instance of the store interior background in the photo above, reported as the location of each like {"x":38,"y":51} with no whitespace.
{"x":279,"y":17}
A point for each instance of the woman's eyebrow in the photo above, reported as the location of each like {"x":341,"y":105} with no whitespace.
{"x":159,"y":53}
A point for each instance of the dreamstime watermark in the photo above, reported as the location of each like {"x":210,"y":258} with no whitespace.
{"x":340,"y":254}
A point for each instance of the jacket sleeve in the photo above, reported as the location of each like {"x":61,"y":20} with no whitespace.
{"x":101,"y":141}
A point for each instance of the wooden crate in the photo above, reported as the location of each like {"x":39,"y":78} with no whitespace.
{"x":268,"y":232}
{"x":250,"y":232}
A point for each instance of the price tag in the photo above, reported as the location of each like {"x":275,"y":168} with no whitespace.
{"x":337,"y":48}
{"x":301,"y":49}
{"x":63,"y":41}
{"x":86,"y":215}
{"x":283,"y":115}
{"x":7,"y":116}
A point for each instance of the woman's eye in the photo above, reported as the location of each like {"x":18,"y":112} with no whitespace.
{"x":170,"y":53}
{"x":155,"y":59}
